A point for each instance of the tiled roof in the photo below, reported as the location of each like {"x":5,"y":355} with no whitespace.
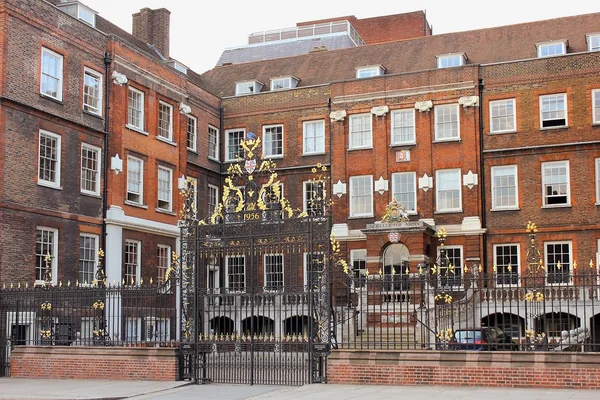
{"x":490,"y":45}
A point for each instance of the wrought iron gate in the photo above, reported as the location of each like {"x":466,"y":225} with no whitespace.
{"x":255,"y":283}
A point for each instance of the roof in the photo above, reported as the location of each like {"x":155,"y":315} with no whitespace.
{"x":490,"y":45}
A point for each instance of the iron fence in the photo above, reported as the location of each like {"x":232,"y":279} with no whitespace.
{"x":478,"y":311}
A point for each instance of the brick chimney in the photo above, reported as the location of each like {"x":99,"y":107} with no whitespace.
{"x":152,"y":26}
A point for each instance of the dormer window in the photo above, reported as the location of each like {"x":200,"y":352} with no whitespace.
{"x":79,"y":11}
{"x":178,"y":66}
{"x":451,"y":60}
{"x":248,"y":87}
{"x":593,"y":42}
{"x":550,"y":49}
{"x":283,"y":83}
{"x":369,"y":71}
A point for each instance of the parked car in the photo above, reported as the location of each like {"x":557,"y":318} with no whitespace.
{"x":485,"y":338}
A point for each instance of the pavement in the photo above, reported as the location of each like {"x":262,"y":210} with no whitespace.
{"x":50,"y":389}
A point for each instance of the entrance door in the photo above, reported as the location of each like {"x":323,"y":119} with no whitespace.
{"x":395,"y":267}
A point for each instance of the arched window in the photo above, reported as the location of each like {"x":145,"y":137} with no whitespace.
{"x":395,"y":267}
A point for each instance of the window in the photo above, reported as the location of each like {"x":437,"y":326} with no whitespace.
{"x":132,"y":273}
{"x":88,"y":258}
{"x":92,"y":91}
{"x":360,"y":131}
{"x":558,"y":261}
{"x":502,"y":116}
{"x":273,"y":271}
{"x":213,"y":199}
{"x":87,"y":329}
{"x":236,"y":278}
{"x":158,"y":329}
{"x":597,"y":161}
{"x":163,"y":262}
{"x":314,"y":265}
{"x":593,"y":42}
{"x":447,"y":126}
{"x":284,"y":83}
{"x":273,"y":141}
{"x":448,"y":193}
{"x":90,"y":169}
{"x":504,"y":187}
{"x":403,"y":127}
{"x":165,"y":121}
{"x":234,"y":150}
{"x":313,"y":134}
{"x":551,"y":49}
{"x":193,"y":184}
{"x":367,"y":72}
{"x":46,"y":253}
{"x":52,"y":74}
{"x":553,"y":110}
{"x":404,"y":189}
{"x":451,"y":266}
{"x":272,"y":203}
{"x":555,"y":183}
{"x":506,"y":260}
{"x":87,"y":15}
{"x":314,"y":198}
{"x":133,"y":329}
{"x":165,"y":177}
{"x":135,"y":180}
{"x":192,"y":132}
{"x":358,"y":260}
{"x":213,"y":143}
{"x":596,"y":106}
{"x":249,"y":87}
{"x":450,"y":60}
{"x":135,"y":109}
{"x":361,"y":196}
{"x":49,"y":160}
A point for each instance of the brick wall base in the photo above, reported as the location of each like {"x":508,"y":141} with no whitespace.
{"x":509,"y":369}
{"x":122,"y":363}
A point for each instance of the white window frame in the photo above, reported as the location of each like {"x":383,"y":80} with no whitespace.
{"x":95,"y":259}
{"x":216,"y":189}
{"x":356,"y":254}
{"x":59,"y":78}
{"x":169,"y":137}
{"x":194,"y":133}
{"x":170,"y":192}
{"x":544,"y":184}
{"x":590,"y":39}
{"x":353,"y":179}
{"x":516,"y":269}
{"x":56,"y":182}
{"x":459,"y":269}
{"x":160,"y":277}
{"x":495,"y":205}
{"x":410,"y":112}
{"x":137,"y":92}
{"x":136,"y":323}
{"x":438,"y":186}
{"x":305,"y":257}
{"x":272,"y":289}
{"x":437,"y":112}
{"x":138,"y":261}
{"x":54,"y":259}
{"x":194,"y":183}
{"x":596,"y":106}
{"x":414,"y":189}
{"x":141,"y":182}
{"x":227,"y":146}
{"x":305,"y":199}
{"x":215,"y":132}
{"x":565,"y":111}
{"x":82,"y":16}
{"x":451,"y":60}
{"x":547,"y":264}
{"x":97,"y":150}
{"x":268,"y":140}
{"x":98,"y":76}
{"x":504,"y":103}
{"x":369,"y":71}
{"x":368,"y":133}
{"x":155,"y":324}
{"x":597,"y":169}
{"x":318,"y":139}
{"x":242,"y":290}
{"x":541,"y":47}
{"x":283,"y":83}
{"x":246,"y":86}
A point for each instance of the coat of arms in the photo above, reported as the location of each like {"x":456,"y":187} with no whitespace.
{"x":394,"y":237}
{"x":395,"y":213}
{"x":250,"y":166}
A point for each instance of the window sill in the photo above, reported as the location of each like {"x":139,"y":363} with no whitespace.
{"x":596,"y":123}
{"x":92,"y":114}
{"x":54,"y":99}
{"x":505,"y":209}
{"x":91,"y":194}
{"x":555,"y":128}
{"x":138,"y":205}
{"x":278,"y":156}
{"x":360,"y":148}
{"x":49,"y":185}
{"x":136,"y":129}
{"x":394,"y":145}
{"x":448,"y":212}
{"x":457,"y":140}
{"x":360,"y":216}
{"x":163,"y":211}
{"x":556,"y":206}
{"x":167,"y":141}
{"x":313,"y":154}
{"x":502,"y":132}
{"x":213,"y":159}
{"x":192,"y":150}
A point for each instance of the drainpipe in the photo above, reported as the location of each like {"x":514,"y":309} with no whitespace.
{"x":482,"y":175}
{"x":107,"y":62}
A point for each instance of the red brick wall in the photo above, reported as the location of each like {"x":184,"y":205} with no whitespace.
{"x":502,"y":369}
{"x":117,"y":363}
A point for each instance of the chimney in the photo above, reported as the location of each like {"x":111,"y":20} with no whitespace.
{"x":152,"y":27}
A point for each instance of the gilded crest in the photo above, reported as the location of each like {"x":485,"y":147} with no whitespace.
{"x":395,"y":213}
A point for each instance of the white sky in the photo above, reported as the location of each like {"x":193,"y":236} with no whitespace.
{"x":201,"y":30}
